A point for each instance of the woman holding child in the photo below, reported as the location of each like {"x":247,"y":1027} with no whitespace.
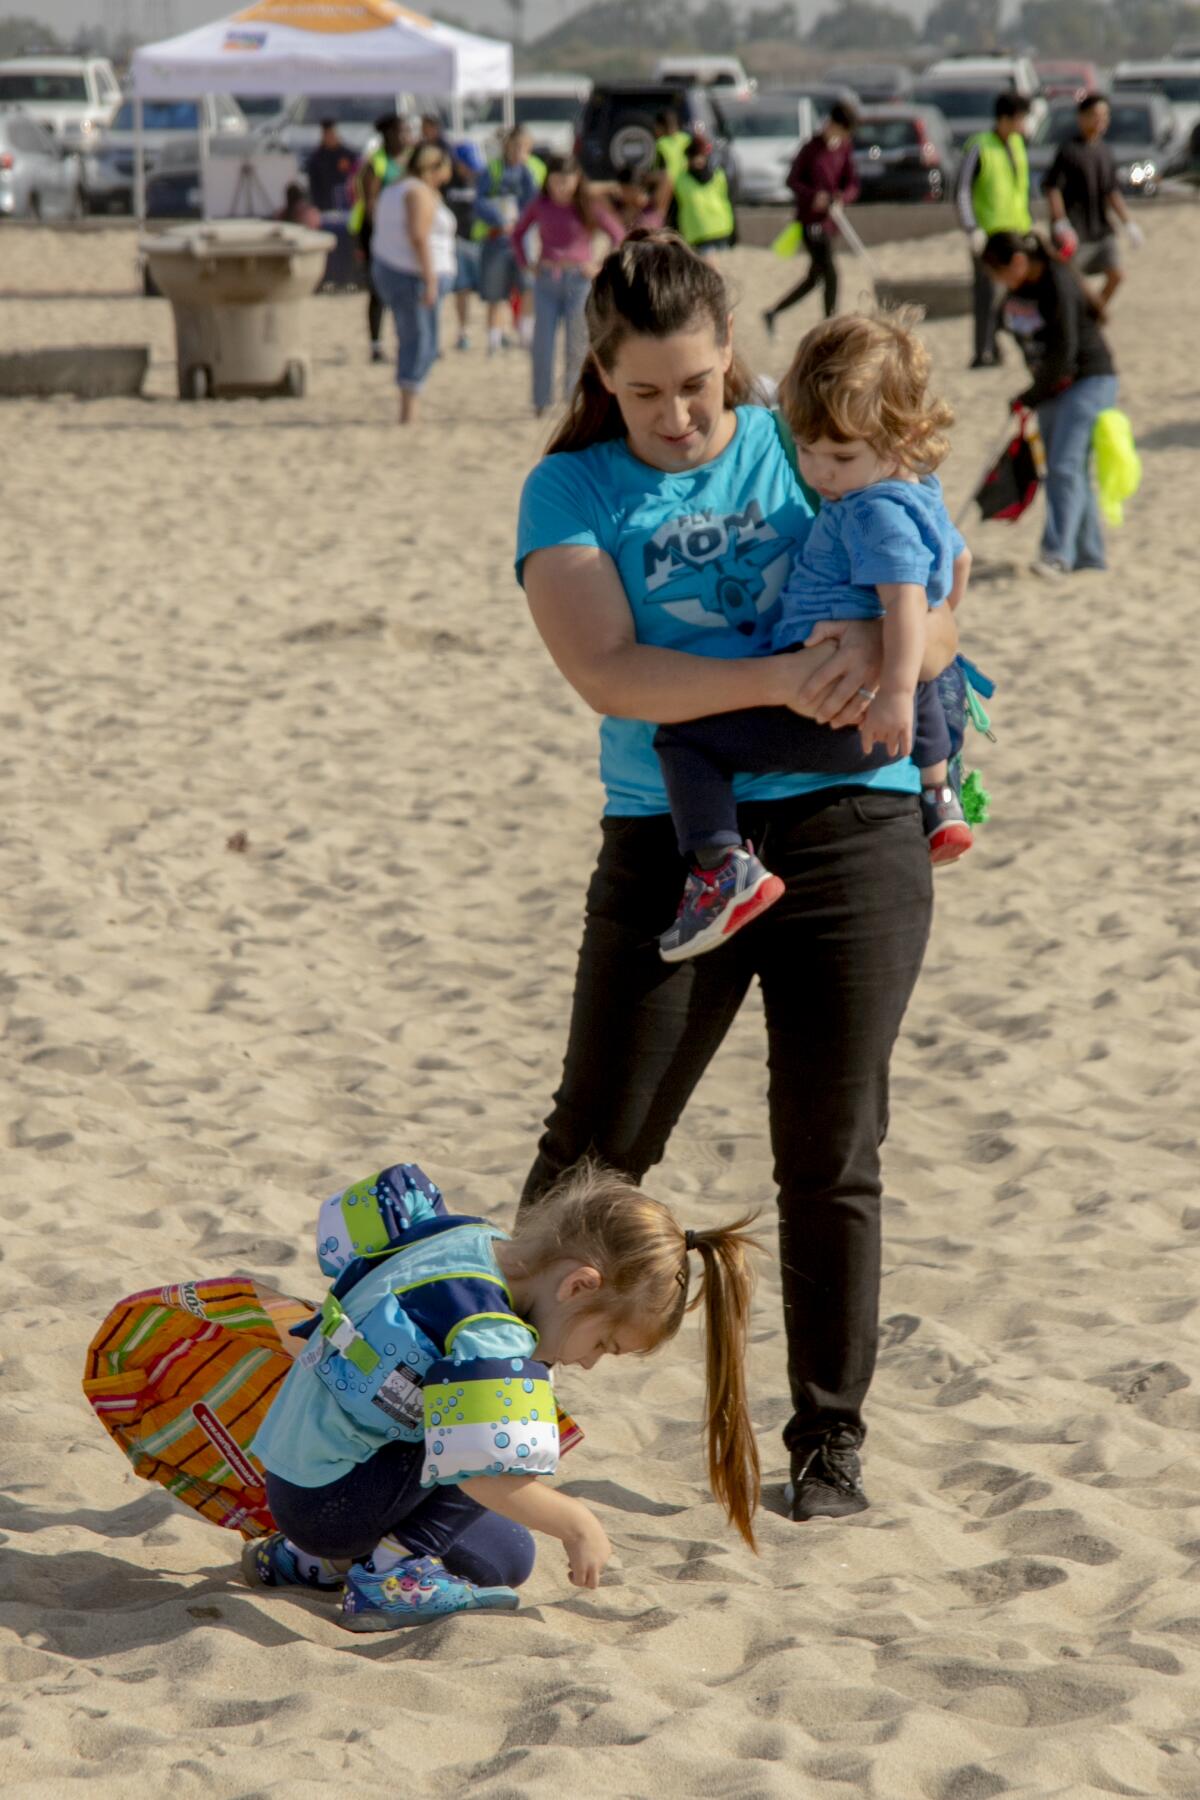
{"x":654,"y":543}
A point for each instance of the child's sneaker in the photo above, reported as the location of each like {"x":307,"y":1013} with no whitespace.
{"x":946,"y":830}
{"x":413,"y":1592}
{"x":717,"y":902}
{"x":273,"y":1562}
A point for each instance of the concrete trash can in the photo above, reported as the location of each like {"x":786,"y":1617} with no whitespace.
{"x":233,"y":285}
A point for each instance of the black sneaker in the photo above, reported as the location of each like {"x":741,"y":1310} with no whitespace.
{"x":827,"y":1483}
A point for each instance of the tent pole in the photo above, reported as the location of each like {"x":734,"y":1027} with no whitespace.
{"x":203,"y":157}
{"x":510,"y":108}
{"x":139,"y":164}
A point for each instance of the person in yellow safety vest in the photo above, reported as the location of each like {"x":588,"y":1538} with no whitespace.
{"x":385,"y":165}
{"x":670,"y":143}
{"x":993,"y":195}
{"x":703,"y":206}
{"x":508,"y":184}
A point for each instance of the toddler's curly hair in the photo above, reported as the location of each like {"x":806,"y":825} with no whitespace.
{"x":865,"y":377}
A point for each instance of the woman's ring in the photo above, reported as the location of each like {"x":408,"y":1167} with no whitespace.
{"x":868,"y":693}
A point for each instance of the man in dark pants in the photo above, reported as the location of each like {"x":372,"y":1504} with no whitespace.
{"x":836,"y":958}
{"x":993,"y":195}
{"x":822,"y":173}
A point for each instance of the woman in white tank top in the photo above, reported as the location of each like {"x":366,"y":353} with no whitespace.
{"x":413,"y":263}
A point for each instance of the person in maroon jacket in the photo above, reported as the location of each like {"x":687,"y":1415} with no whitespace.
{"x":822,"y":173}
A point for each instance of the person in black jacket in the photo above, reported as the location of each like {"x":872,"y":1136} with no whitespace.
{"x":1084,"y":197}
{"x":1074,"y":380}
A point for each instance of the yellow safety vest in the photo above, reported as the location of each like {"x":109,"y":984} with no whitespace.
{"x":496,"y":167}
{"x":1000,"y":191}
{"x":670,"y":153}
{"x":387,"y":170}
{"x":705,"y":209}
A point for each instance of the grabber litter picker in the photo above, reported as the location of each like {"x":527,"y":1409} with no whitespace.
{"x":838,"y":214}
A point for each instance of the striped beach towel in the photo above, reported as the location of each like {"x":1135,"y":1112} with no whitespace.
{"x":181,"y":1378}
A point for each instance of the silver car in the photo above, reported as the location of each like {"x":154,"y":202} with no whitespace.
{"x":38,"y":180}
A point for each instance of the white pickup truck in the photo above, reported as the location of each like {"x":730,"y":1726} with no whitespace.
{"x":72,"y":97}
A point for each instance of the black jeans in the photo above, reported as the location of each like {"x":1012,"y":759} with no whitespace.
{"x":374,"y":303}
{"x":986,"y":309}
{"x":347,"y":1518}
{"x":821,"y":270}
{"x":837,"y":958}
{"x":700,"y":758}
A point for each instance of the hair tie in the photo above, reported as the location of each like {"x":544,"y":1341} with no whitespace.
{"x":689,"y":1240}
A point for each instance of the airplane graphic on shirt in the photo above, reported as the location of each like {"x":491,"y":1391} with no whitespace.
{"x":717,"y":569}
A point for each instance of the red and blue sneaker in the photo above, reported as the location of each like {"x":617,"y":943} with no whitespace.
{"x":413,"y":1592}
{"x":717,"y":902}
{"x":946,"y":830}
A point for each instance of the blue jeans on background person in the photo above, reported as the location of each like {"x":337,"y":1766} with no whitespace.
{"x":559,"y":296}
{"x":416,"y":323}
{"x":1073,"y":534}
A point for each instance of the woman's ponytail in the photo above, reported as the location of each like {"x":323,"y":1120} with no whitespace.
{"x":724,"y":1297}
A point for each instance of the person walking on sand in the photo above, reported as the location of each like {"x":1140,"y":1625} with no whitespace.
{"x":567,"y":218}
{"x":1055,"y":322}
{"x":703,"y":206}
{"x":509,"y":183}
{"x":1084,"y":197}
{"x":414,"y":262}
{"x":823,"y":173}
{"x":993,"y":195}
{"x":380,"y":170}
{"x":654,"y":540}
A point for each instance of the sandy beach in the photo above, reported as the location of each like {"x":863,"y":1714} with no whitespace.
{"x":289,"y":620}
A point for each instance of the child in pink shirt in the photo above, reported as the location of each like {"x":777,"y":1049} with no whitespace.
{"x":566,"y":217}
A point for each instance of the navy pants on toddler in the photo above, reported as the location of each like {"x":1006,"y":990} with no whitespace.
{"x":348,"y":1517}
{"x":700,"y":758}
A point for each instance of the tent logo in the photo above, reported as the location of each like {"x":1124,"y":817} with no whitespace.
{"x":244,"y":40}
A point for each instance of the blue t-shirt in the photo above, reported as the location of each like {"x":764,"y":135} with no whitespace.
{"x":703,"y":556}
{"x":892,"y":531}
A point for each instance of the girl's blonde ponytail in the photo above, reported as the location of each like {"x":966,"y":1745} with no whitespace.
{"x":724,"y":1297}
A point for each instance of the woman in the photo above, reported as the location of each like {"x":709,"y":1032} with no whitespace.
{"x":1074,"y":380}
{"x":413,"y":263}
{"x":661,"y":527}
{"x":567,"y":217}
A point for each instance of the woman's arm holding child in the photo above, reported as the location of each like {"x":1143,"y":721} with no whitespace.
{"x":889,"y":717}
{"x":527,"y":1501}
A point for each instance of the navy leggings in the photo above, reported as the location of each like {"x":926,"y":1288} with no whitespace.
{"x":347,"y":1518}
{"x":700,"y":758}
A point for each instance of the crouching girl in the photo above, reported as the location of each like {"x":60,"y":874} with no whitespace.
{"x":405,"y":1450}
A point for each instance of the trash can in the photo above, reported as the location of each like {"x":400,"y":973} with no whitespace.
{"x":233,"y":285}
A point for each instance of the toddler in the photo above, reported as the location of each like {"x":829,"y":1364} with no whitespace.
{"x":404,"y":1451}
{"x":869,"y":438}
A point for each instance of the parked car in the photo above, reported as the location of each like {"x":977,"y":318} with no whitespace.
{"x":548,"y":106}
{"x":39,"y":179}
{"x":71,"y":97}
{"x":298,"y":127}
{"x":904,"y":153}
{"x":617,"y":125}
{"x":1067,"y":80}
{"x":724,"y":73}
{"x":764,"y":136}
{"x":1179,"y":81}
{"x":876,"y":84}
{"x":1145,"y":136}
{"x":964,"y":89}
{"x":170,"y":132}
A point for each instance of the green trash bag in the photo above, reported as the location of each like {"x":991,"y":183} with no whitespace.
{"x":1118,"y":465}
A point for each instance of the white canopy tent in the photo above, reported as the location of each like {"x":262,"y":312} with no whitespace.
{"x":292,"y":47}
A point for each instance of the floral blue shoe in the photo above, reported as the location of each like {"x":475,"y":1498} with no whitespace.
{"x":272,"y":1562}
{"x":717,"y":902}
{"x":414,"y":1592}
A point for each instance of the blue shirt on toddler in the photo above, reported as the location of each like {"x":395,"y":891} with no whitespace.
{"x":893,"y":531}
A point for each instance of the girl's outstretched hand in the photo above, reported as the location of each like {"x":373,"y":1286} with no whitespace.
{"x":588,"y":1549}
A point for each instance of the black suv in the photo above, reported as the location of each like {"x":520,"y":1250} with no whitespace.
{"x":617,"y":126}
